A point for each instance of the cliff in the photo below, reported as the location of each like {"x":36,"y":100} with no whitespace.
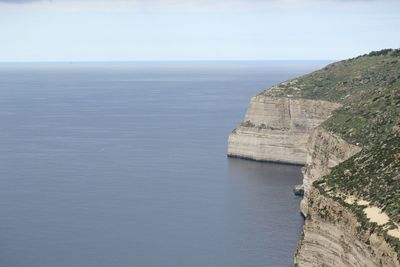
{"x":333,"y":236}
{"x":325,"y":151}
{"x":277,"y":128}
{"x":343,"y":124}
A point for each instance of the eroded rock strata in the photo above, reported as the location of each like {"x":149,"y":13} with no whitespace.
{"x":343,"y":124}
{"x":277,"y":128}
{"x":332,"y":236}
{"x":325,"y":150}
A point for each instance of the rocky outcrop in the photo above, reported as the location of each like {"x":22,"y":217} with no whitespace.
{"x":352,"y":215}
{"x":325,"y":150}
{"x":283,"y":129}
{"x":277,"y":128}
{"x":332,"y":236}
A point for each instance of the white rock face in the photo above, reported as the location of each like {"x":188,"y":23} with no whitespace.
{"x":283,"y":129}
{"x":277,"y":128}
{"x":331,"y":238}
{"x":325,"y":150}
{"x":330,"y":233}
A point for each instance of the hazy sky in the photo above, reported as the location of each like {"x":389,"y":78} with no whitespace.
{"x":115,"y":30}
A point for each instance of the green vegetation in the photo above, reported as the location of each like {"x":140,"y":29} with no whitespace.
{"x":344,"y":81}
{"x":262,"y":126}
{"x":368,"y":87}
{"x":248,"y":124}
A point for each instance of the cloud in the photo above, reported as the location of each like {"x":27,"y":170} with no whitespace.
{"x":18,"y":1}
{"x":158,"y":2}
{"x":177,"y":5}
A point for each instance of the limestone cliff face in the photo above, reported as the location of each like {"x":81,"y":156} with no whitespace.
{"x":277,"y":128}
{"x":332,"y":237}
{"x":284,"y":129}
{"x":331,"y":233}
{"x":325,"y":150}
{"x":352,"y":214}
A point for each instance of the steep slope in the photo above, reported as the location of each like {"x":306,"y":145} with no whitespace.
{"x":367,"y":181}
{"x":277,"y":128}
{"x":352,"y":159}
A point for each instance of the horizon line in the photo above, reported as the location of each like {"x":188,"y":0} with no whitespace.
{"x":165,"y":61}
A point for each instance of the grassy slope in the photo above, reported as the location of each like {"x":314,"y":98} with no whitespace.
{"x":368,"y":87}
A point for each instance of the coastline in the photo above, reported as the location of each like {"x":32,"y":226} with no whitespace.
{"x":323,"y":122}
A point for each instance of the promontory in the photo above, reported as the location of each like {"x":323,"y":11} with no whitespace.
{"x":343,"y":124}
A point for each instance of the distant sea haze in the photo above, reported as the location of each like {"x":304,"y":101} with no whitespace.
{"x":125,"y":165}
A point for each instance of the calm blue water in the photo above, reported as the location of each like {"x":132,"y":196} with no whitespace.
{"x":125,"y":165}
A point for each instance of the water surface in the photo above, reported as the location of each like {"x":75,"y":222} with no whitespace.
{"x":125,"y":165}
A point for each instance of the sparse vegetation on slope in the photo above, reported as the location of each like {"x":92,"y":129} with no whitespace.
{"x":368,"y":87}
{"x":344,"y":81}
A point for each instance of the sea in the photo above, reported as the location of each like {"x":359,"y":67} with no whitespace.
{"x":124,"y":164}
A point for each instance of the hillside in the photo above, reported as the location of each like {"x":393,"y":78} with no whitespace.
{"x":343,"y":124}
{"x":368,"y":88}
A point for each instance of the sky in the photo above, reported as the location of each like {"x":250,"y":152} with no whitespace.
{"x":158,"y":30}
